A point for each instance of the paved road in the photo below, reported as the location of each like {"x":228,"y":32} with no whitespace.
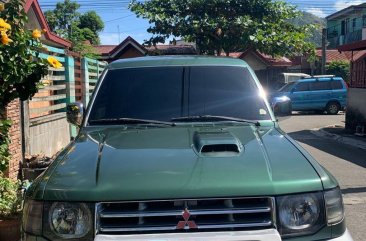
{"x":346,"y":163}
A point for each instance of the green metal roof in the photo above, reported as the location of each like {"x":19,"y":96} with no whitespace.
{"x":155,"y":61}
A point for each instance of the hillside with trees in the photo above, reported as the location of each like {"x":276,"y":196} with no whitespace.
{"x":308,"y":18}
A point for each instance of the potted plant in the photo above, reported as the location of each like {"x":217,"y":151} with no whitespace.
{"x":10,"y":209}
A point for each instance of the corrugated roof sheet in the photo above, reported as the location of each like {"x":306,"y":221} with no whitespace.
{"x":333,"y":55}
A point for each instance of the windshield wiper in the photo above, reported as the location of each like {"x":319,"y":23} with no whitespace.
{"x":119,"y":121}
{"x":213,"y":118}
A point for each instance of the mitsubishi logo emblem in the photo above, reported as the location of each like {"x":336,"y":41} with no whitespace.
{"x":186,"y":224}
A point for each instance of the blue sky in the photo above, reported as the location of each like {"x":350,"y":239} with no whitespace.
{"x":120,"y":22}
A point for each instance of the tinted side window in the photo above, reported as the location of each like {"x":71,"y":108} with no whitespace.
{"x":225,"y":91}
{"x":337,"y":85}
{"x":303,"y":86}
{"x":321,"y":85}
{"x":143,"y":93}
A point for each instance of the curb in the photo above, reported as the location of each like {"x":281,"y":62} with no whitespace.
{"x":320,"y":132}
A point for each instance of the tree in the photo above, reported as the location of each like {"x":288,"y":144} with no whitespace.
{"x":61,"y":19}
{"x":79,"y":28}
{"x":229,"y":26}
{"x":92,"y":21}
{"x":339,"y":68}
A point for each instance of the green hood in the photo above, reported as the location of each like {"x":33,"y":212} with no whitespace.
{"x":164,"y":163}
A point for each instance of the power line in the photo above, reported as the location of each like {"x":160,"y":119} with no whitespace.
{"x":119,"y":18}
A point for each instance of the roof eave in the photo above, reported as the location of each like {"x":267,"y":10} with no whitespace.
{"x":340,"y":13}
{"x":42,"y":21}
{"x":360,"y":45}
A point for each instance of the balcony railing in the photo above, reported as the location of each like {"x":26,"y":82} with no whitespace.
{"x":334,"y":40}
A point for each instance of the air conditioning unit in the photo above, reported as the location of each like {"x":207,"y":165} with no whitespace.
{"x":363,"y":33}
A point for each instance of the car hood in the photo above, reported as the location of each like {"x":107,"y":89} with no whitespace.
{"x":120,"y":163}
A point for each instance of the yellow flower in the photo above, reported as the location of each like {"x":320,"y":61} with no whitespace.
{"x":54,"y":62}
{"x":4,"y":26}
{"x":44,"y":30}
{"x":5,"y":39}
{"x":2,"y":7}
{"x":46,"y":82}
{"x":36,"y":33}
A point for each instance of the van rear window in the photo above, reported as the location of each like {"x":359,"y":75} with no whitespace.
{"x":337,"y":85}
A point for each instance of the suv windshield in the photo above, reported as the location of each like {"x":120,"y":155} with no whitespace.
{"x":165,"y":93}
{"x":287,"y":87}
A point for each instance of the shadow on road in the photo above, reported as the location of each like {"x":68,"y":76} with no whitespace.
{"x":354,"y":190}
{"x":343,"y":151}
{"x":303,"y":113}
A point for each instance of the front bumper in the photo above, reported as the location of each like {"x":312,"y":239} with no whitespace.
{"x":262,"y":235}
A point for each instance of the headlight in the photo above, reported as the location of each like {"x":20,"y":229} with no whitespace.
{"x":68,"y":221}
{"x":300,"y":214}
{"x":334,"y":206}
{"x":283,"y":98}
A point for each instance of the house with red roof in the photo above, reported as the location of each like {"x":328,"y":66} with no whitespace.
{"x":36,"y":19}
{"x":130,"y":48}
{"x":267,"y":68}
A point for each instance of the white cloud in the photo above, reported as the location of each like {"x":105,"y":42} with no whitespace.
{"x":317,"y":11}
{"x":342,"y":4}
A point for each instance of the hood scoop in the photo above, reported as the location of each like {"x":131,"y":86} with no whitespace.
{"x":216,"y":144}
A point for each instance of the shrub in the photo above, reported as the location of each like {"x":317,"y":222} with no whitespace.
{"x":4,"y":143}
{"x":340,"y":69}
{"x":10,"y":198}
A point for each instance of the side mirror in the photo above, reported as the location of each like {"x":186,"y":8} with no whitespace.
{"x":75,"y":113}
{"x":281,"y":106}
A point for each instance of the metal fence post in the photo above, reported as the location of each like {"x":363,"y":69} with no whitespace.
{"x":70,"y":86}
{"x":85,"y":81}
{"x":70,"y":79}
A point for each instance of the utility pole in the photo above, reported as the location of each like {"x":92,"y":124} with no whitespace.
{"x":324,"y":50}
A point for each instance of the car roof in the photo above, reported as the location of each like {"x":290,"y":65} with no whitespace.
{"x":156,"y":61}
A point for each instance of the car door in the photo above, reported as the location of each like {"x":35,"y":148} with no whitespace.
{"x":320,"y":94}
{"x":299,"y":96}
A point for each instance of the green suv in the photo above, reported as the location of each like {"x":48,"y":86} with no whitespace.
{"x":182,"y":148}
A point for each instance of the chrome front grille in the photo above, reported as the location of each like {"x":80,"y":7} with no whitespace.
{"x":184,"y":215}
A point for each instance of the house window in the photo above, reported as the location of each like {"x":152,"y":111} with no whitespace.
{"x":364,"y":21}
{"x":343,"y":27}
{"x":354,"y":21}
{"x":347,"y":26}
